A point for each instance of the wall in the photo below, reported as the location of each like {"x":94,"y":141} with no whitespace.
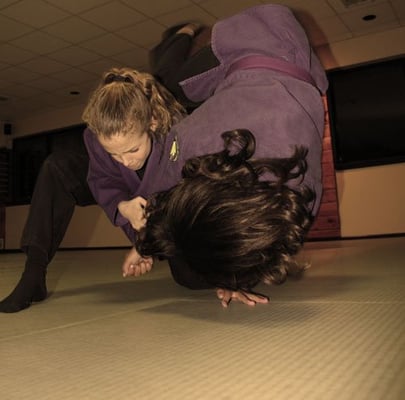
{"x":48,"y":121}
{"x":370,"y":199}
{"x":89,"y":228}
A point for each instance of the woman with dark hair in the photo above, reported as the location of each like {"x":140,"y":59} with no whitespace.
{"x":262,"y":76}
{"x":233,"y":219}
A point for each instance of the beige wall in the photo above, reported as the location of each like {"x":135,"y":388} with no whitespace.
{"x":370,"y":199}
{"x":89,"y":228}
{"x":48,"y":121}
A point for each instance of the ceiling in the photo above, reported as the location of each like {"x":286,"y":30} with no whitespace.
{"x":52,"y":52}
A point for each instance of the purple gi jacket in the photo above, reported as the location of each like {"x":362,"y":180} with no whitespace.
{"x":279,"y":109}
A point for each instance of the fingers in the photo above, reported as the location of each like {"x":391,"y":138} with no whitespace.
{"x":248,"y":298}
{"x":225,"y":296}
{"x":143,"y":266}
{"x":126,"y":269}
{"x":138,"y":220}
{"x":138,"y":224}
{"x":134,"y":211}
{"x":142,"y":201}
{"x":243,"y":298}
{"x":261,"y":299}
{"x":131,"y":258}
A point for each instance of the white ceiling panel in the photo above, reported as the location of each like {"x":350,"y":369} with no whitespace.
{"x":359,"y":22}
{"x":154,"y":8}
{"x":60,"y":46}
{"x":35,"y":13}
{"x":74,"y":30}
{"x":113,"y":15}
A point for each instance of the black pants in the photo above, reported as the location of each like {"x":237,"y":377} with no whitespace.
{"x":60,"y":186}
{"x":171,"y":63}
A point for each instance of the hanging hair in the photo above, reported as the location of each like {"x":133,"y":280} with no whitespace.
{"x":230,"y":226}
{"x":128,"y":100}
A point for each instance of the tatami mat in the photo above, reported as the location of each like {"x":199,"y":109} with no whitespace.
{"x":338,"y":333}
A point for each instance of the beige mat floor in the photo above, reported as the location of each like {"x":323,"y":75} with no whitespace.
{"x":338,"y":333}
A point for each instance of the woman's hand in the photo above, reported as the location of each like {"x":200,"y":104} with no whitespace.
{"x":134,"y":211}
{"x":249,"y":298}
{"x":135,"y":265}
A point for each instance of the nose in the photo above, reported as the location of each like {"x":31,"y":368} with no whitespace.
{"x":125,"y":160}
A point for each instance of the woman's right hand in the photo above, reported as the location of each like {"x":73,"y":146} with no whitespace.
{"x":134,"y":211}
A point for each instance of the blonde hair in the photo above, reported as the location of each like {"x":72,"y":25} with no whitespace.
{"x":127,"y":99}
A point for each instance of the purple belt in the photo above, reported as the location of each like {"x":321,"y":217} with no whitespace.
{"x":275,"y":64}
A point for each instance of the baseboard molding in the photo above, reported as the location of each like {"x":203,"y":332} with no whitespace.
{"x":380,"y":236}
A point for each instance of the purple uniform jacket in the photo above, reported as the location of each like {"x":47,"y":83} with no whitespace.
{"x":279,"y":109}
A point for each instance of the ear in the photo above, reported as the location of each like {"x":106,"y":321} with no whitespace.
{"x":153,"y":124}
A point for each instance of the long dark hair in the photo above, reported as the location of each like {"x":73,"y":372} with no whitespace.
{"x":230,"y":226}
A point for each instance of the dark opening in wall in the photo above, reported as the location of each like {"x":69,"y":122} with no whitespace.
{"x":367,"y":114}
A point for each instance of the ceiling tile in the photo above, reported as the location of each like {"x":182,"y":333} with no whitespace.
{"x":108,"y":45}
{"x":355,"y":22}
{"x":332,"y":29}
{"x":100,"y":66}
{"x":4,"y":83}
{"x":225,"y":8}
{"x":40,"y":43}
{"x":59,"y":98}
{"x":10,"y":29}
{"x":156,"y":7}
{"x":84,"y":89}
{"x":5,"y":3}
{"x":40,"y":40}
{"x":144,"y":34}
{"x":74,"y":75}
{"x":340,"y":7}
{"x":191,"y":13}
{"x":74,"y":56}
{"x":20,"y":91}
{"x":315,"y":8}
{"x":50,"y":100}
{"x":34,"y":13}
{"x":399,"y":8}
{"x":43,"y":65}
{"x":77,"y":6}
{"x":16,"y":74}
{"x":133,"y":59}
{"x":3,"y":65}
{"x":74,"y":30}
{"x":14,"y":55}
{"x":47,"y":83}
{"x":113,"y":16}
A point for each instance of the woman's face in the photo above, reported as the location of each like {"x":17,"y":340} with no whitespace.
{"x":131,"y":150}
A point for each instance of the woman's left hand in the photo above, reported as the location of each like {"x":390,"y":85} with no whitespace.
{"x":136,"y":265}
{"x":249,"y":298}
